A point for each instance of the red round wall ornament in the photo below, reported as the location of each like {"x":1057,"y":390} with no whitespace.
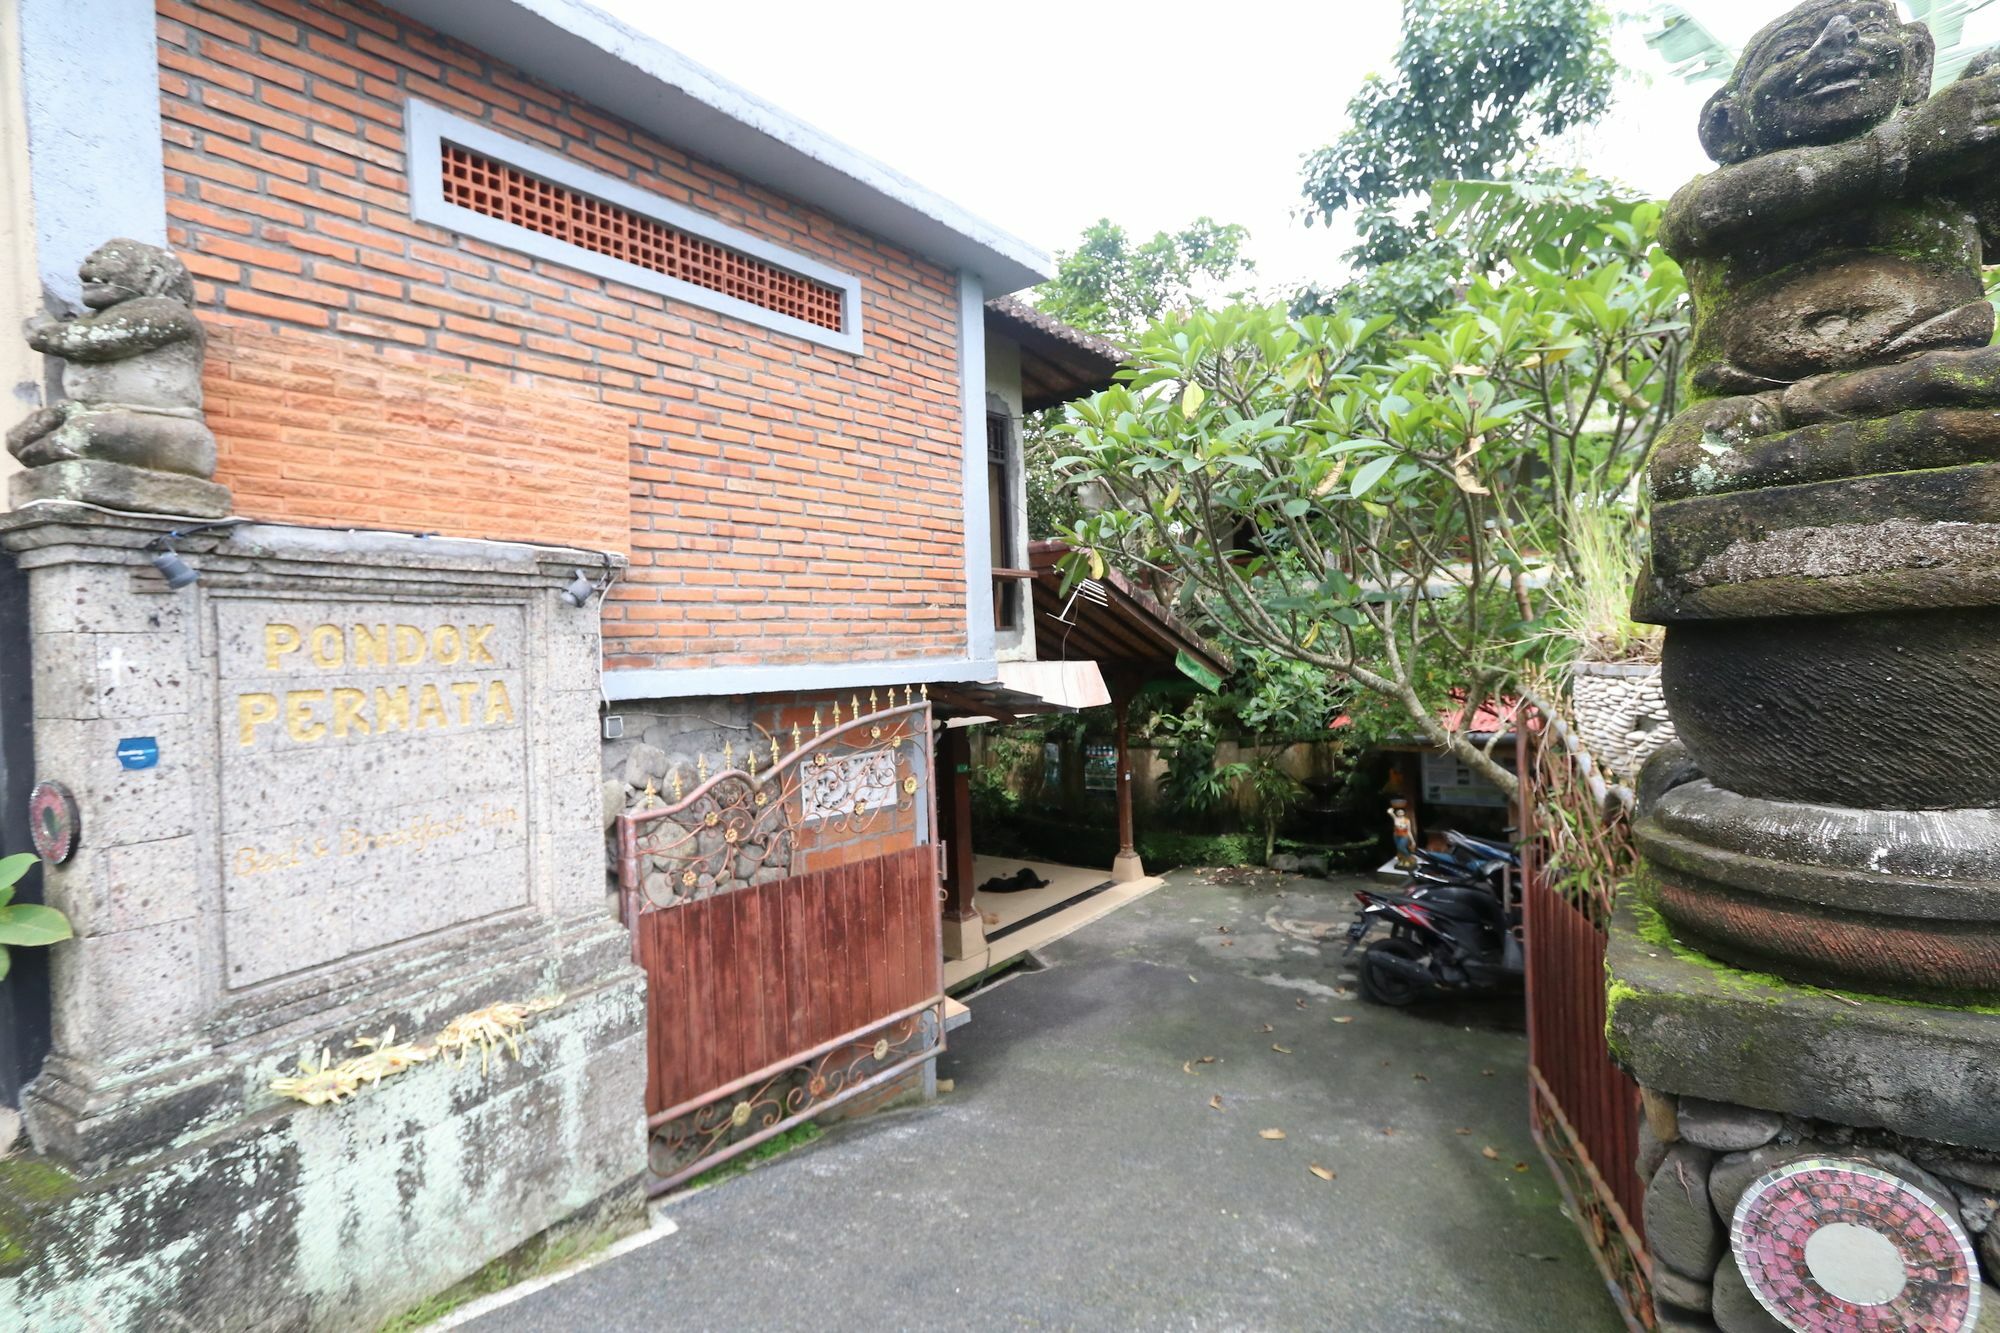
{"x":1832,"y":1245}
{"x":53,"y":822}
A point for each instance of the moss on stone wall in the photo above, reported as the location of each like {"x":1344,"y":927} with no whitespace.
{"x":27,"y":1176}
{"x":1765,"y":986}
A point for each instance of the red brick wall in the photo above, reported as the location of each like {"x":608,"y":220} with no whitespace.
{"x":788,"y":503}
{"x":316,"y":429}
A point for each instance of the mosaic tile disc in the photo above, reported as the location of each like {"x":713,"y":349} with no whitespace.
{"x":1830,"y":1245}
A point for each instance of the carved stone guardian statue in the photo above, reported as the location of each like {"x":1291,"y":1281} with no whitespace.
{"x":1826,"y":523}
{"x":129,"y":432}
{"x":1804,"y":986}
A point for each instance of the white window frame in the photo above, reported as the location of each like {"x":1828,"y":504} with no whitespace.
{"x":426,"y":129}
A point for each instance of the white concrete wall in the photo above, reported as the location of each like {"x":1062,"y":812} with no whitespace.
{"x":20,"y":288}
{"x":1003,"y":393}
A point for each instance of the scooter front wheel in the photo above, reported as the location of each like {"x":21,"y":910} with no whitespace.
{"x":1384,"y":975}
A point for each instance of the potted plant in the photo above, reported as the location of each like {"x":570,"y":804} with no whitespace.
{"x":1612,"y":661}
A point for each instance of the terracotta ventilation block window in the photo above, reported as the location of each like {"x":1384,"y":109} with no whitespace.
{"x":511,"y":195}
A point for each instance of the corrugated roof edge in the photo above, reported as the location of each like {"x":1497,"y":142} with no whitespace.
{"x":590,"y":53}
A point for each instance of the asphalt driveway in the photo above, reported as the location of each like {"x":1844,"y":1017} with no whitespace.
{"x":1102,"y":1161}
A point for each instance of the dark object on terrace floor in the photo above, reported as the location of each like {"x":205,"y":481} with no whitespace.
{"x":1022,"y":879}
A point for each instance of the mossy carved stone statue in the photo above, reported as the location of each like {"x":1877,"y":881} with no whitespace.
{"x":1826,"y":522}
{"x":128,"y":433}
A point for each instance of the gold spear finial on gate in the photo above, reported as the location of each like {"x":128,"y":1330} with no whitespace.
{"x":816,"y":723}
{"x":774,"y":747}
{"x":677,"y":783}
{"x":728,"y":753}
{"x":795,"y":735}
{"x":871,"y":701}
{"x":750,"y":758}
{"x":836,"y":712}
{"x":701,"y":766}
{"x":924,"y":692}
{"x":857,"y":705}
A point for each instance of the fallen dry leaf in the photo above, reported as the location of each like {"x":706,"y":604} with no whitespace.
{"x":1222,"y":930}
{"x":1270,"y":1133}
{"x":1187,"y":1067}
{"x":1281,"y":1050}
{"x":1520,"y":1166}
{"x":1229,"y":944}
{"x":1490,"y":1153}
{"x":1300,"y":1002}
{"x":1269,"y":1028}
{"x":1388,"y":1131}
{"x":1421,"y":1078}
{"x":1465,"y":1131}
{"x":1345,"y":1018}
{"x":1195,"y":979}
{"x":1206,"y":1060}
{"x":1320,"y":1171}
{"x":1215,"y":1102}
{"x":1486,"y":1073}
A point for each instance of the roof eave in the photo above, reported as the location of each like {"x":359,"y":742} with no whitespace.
{"x":587,"y":52}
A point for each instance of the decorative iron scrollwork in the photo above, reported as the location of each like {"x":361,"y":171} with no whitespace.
{"x":716,"y":1130}
{"x":741,"y":826}
{"x":1620,"y":1254}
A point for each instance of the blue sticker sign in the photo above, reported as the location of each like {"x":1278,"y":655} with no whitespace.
{"x":139,"y":752}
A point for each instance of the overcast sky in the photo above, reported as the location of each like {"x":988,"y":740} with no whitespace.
{"x":1042,"y":117}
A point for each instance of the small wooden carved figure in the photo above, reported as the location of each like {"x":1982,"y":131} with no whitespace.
{"x":1404,"y":830}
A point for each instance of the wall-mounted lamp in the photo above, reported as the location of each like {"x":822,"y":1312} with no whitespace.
{"x":177,"y":572}
{"x":579,"y":590}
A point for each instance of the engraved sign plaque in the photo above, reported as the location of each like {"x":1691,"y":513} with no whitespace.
{"x":374,"y":769}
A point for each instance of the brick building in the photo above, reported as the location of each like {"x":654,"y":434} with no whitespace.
{"x":506,"y":270}
{"x":514,"y":271}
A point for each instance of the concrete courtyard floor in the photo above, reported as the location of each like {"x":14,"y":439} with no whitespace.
{"x":1079,"y":1175}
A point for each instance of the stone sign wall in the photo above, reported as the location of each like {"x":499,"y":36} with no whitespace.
{"x":394,"y":735}
{"x":345,"y":784}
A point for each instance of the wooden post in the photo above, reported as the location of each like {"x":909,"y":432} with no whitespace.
{"x":1127,"y":867}
{"x":964,"y":934}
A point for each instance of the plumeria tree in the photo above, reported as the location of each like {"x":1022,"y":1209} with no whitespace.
{"x":1373,"y":506}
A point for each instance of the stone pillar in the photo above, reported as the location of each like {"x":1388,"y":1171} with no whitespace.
{"x":344,"y":784}
{"x":1804,"y":981}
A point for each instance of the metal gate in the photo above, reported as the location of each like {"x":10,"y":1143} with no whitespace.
{"x":1584,"y":1110}
{"x":791,"y":949}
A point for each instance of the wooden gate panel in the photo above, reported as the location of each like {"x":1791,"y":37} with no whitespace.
{"x":1583,"y":1109}
{"x":745,"y":979}
{"x":772,"y":999}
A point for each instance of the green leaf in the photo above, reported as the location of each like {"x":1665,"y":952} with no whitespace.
{"x":1296,"y":506}
{"x":1191,"y":398}
{"x":33,"y":924}
{"x":6,"y":962}
{"x":1368,"y":474}
{"x":15,"y":866}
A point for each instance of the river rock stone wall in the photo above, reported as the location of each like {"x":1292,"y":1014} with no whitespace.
{"x":1621,"y":713}
{"x":1698,"y":1158}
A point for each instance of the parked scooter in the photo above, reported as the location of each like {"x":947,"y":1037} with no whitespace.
{"x":1446,"y":935}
